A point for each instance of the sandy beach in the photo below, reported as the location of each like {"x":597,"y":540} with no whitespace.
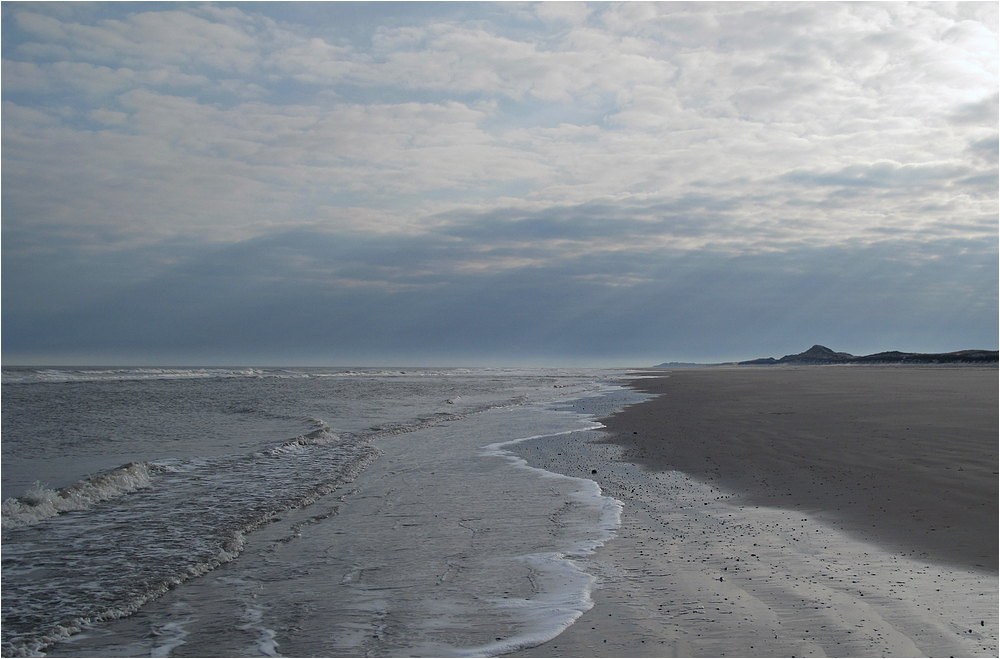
{"x":794,"y":511}
{"x":771,"y":512}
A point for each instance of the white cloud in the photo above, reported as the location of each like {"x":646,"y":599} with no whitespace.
{"x":152,"y":38}
{"x":108,"y":116}
{"x":88,"y":79}
{"x":573,"y":13}
{"x":223,"y":122}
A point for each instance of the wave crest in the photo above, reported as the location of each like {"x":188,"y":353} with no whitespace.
{"x":40,"y":503}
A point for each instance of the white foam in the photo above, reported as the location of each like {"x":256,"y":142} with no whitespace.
{"x":170,"y":636}
{"x":20,"y":375}
{"x":265,"y":645}
{"x":588,"y":494}
{"x":563,"y":587}
{"x":41,"y":503}
{"x":564,"y":596}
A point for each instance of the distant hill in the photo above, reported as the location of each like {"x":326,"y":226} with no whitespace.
{"x":822,"y":355}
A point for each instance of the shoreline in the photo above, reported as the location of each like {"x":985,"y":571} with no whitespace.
{"x":443,"y":546}
{"x":698,"y":568}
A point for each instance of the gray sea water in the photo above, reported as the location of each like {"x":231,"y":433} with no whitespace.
{"x":297,"y":512}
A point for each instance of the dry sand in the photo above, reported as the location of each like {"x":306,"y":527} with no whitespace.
{"x":902,"y":455}
{"x":795,"y":511}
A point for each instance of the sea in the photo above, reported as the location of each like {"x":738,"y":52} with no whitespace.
{"x":295,"y":511}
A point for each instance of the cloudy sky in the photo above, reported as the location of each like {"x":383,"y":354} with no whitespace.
{"x":451,"y":183}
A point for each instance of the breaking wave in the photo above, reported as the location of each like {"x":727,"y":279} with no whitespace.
{"x":41,"y":503}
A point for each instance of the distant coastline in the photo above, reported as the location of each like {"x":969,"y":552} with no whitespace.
{"x":822,"y":355}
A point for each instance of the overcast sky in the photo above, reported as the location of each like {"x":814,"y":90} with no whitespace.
{"x":554,"y":183}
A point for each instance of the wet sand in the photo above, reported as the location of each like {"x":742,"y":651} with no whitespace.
{"x":903,"y":456}
{"x":794,"y":511}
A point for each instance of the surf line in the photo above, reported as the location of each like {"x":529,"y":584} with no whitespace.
{"x":554,"y":609}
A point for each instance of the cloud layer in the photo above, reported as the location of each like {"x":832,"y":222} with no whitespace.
{"x":497,"y":178}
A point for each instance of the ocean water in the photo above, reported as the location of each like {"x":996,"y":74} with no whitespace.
{"x":297,"y":512}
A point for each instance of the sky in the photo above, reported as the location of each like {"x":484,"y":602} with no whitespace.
{"x":426,"y":183}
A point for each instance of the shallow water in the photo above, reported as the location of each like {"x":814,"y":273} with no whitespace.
{"x":444,"y":545}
